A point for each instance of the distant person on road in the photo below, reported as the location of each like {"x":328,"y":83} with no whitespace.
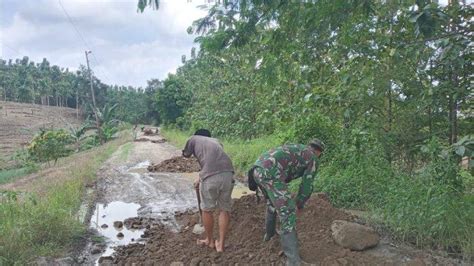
{"x":215,"y":183}
{"x":271,"y":173}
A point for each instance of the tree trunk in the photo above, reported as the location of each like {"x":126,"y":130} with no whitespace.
{"x":450,"y":119}
{"x":77,"y":104}
{"x":389,"y":111}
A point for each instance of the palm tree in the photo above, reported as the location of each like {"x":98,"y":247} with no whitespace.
{"x":142,"y":4}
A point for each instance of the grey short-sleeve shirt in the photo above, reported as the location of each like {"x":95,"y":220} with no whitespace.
{"x":210,"y":155}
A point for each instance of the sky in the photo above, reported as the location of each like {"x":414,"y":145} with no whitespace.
{"x":128,"y":47}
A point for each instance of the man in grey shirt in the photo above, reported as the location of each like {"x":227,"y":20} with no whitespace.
{"x":216,"y":182}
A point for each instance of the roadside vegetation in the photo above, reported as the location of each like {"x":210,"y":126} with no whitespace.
{"x":42,"y":220}
{"x":384,"y":85}
{"x":39,"y":217}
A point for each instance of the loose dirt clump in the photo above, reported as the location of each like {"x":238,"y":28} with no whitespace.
{"x":141,"y":140}
{"x":245,"y":240}
{"x":138,"y":223}
{"x":176,"y":164}
{"x":150,"y":132}
{"x":159,"y":141}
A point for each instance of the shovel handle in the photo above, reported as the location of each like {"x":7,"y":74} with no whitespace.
{"x":198,"y":195}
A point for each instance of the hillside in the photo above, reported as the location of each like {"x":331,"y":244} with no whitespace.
{"x":19,"y":122}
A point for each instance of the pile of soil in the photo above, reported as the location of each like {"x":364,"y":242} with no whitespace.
{"x":159,"y":141}
{"x":244,"y":244}
{"x":176,"y":164}
{"x":141,"y":140}
{"x":150,"y":132}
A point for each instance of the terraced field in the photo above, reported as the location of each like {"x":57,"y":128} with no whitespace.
{"x":19,"y":122}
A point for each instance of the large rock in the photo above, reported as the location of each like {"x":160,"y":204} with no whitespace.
{"x":354,"y":236}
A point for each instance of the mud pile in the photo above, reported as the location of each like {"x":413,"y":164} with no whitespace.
{"x":150,"y":131}
{"x":244,"y":244}
{"x":176,"y":164}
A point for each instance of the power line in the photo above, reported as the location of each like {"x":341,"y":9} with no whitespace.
{"x":74,"y":25}
{"x":86,"y":44}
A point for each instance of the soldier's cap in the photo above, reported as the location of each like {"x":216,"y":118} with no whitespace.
{"x":318,"y":144}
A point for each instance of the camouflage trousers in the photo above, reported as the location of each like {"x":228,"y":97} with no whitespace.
{"x":278,"y":198}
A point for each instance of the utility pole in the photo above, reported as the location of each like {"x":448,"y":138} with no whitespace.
{"x":93,"y":100}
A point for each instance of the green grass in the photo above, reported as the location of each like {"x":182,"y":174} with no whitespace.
{"x":33,"y":225}
{"x":125,"y":151}
{"x":10,"y":175}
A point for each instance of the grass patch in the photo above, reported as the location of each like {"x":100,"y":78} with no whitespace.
{"x":125,"y":151}
{"x":10,"y":175}
{"x":45,"y":223}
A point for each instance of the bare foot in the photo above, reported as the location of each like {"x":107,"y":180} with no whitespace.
{"x":219,"y":247}
{"x":205,"y":242}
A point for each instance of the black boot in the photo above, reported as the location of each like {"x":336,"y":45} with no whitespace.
{"x":289,"y":244}
{"x":270,"y":223}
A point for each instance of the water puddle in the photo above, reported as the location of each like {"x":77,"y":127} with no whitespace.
{"x":108,"y":221}
{"x":240,"y":190}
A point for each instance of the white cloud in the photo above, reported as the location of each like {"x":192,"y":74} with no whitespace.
{"x":129,"y":47}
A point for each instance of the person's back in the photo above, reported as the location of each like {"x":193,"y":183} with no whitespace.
{"x":290,"y":161}
{"x":210,"y":155}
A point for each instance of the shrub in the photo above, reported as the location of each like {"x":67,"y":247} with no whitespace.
{"x":50,"y":145}
{"x":355,"y":173}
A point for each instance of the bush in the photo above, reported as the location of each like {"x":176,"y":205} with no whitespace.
{"x":307,"y":127}
{"x":355,"y":173}
{"x":50,"y":145}
{"x":429,"y":213}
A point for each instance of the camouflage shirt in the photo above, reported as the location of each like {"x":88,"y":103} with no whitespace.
{"x":289,"y":162}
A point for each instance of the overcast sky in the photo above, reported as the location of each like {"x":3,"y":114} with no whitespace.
{"x":129,"y":47}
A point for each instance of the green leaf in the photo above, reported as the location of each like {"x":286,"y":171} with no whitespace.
{"x":392,"y":51}
{"x":460,"y":150}
{"x":415,"y":16}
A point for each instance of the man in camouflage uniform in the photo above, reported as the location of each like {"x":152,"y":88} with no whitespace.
{"x":271,"y":173}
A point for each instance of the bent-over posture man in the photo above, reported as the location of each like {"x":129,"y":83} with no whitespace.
{"x":271,"y":174}
{"x":216,"y":182}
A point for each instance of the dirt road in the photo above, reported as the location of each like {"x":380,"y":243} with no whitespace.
{"x":148,"y":218}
